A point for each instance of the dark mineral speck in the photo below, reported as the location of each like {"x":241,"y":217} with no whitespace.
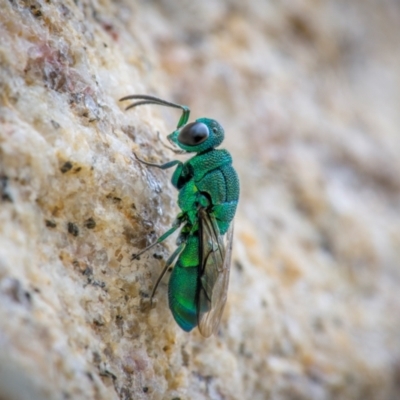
{"x":50,"y":224}
{"x":66,"y":167}
{"x":4,"y":194}
{"x":90,"y":223}
{"x":73,"y":229}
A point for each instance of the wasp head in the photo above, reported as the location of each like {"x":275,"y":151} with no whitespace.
{"x":198,"y":136}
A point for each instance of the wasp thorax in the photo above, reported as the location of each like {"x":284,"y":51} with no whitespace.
{"x":193,"y":134}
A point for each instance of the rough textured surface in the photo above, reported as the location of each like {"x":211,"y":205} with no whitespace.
{"x":309,"y":93}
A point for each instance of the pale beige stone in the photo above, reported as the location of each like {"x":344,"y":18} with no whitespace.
{"x":308,"y":92}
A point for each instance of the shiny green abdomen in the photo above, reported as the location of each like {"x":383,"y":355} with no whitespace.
{"x":206,"y":180}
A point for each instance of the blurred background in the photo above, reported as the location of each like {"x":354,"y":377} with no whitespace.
{"x":309,"y":94}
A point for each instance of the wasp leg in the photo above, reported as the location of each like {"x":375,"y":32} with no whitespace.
{"x":167,"y":165}
{"x":170,"y":260}
{"x":175,"y":150}
{"x":169,"y":232}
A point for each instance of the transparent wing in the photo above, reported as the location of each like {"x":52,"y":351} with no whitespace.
{"x":215,"y":265}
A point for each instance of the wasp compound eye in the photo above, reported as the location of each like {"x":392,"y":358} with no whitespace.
{"x":193,"y":134}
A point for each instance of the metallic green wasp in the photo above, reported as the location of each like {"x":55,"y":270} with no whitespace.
{"x":208,"y":196}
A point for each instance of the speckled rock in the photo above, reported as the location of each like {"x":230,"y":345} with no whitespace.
{"x":308,"y":92}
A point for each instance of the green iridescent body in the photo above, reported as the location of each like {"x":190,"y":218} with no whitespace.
{"x":208,"y":196}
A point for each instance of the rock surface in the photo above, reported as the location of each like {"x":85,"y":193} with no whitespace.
{"x":308,"y":92}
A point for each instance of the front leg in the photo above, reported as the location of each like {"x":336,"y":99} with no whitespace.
{"x":173,"y":149}
{"x":167,"y":165}
{"x":179,"y":176}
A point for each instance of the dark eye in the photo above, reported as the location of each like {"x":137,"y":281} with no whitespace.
{"x":193,"y":134}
